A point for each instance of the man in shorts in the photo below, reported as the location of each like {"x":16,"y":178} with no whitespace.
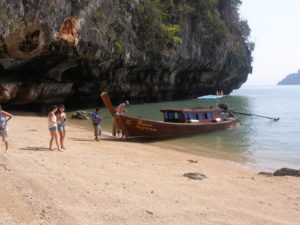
{"x":96,"y":118}
{"x":4,"y":118}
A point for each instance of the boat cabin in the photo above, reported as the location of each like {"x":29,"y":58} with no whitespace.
{"x":192,"y":115}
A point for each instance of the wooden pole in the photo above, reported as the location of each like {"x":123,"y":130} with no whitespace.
{"x":250,"y":114}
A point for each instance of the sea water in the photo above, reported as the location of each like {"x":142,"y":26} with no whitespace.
{"x":256,"y":142}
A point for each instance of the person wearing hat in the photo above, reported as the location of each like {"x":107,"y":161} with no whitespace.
{"x":4,"y":118}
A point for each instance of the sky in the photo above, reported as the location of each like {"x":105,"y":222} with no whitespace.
{"x":275,"y":29}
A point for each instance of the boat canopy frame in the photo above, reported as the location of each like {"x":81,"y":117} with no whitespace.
{"x":186,"y":115}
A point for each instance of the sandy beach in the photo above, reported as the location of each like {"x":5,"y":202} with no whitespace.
{"x":114,"y":182}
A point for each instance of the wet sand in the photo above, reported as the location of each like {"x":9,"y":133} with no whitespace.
{"x":115,"y":182}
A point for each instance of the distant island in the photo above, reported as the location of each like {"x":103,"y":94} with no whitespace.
{"x":292,"y":79}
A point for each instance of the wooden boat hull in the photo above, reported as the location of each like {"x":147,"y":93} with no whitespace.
{"x":137,"y":127}
{"x":140,"y":127}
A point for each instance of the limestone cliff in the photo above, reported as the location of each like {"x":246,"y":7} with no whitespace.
{"x":143,"y":50}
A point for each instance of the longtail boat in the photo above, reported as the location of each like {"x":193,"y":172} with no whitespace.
{"x":177,"y":121}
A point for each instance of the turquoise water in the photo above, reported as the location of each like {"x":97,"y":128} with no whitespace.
{"x":257,"y":142}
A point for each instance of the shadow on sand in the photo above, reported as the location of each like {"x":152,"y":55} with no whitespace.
{"x":82,"y":139}
{"x":35,"y":149}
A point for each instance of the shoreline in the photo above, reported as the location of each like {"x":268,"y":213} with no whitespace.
{"x":217,"y":156}
{"x":116,"y":182}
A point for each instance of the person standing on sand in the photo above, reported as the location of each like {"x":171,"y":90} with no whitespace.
{"x":4,"y":118}
{"x":52,"y":124}
{"x":96,"y":118}
{"x":62,"y":125}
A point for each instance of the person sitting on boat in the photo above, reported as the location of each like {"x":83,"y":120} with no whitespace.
{"x":120,"y":111}
{"x":121,"y":108}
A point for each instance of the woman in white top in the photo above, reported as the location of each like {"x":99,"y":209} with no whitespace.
{"x":52,"y":125}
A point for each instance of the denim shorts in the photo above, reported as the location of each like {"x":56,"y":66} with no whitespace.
{"x":62,"y":128}
{"x":53,"y":129}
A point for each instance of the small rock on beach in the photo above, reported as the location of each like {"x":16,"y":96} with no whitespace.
{"x":287,"y":172}
{"x":283,"y":172}
{"x":192,"y":161}
{"x":195,"y":176}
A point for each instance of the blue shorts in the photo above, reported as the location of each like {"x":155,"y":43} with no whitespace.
{"x":62,"y":128}
{"x":53,"y":129}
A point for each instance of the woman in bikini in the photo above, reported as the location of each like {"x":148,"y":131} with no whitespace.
{"x":52,"y":124}
{"x":62,"y":125}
